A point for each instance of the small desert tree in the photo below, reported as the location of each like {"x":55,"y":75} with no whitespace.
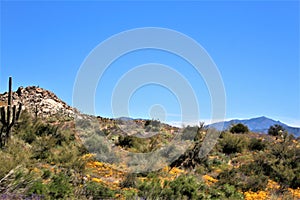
{"x":239,"y":128}
{"x":276,"y":130}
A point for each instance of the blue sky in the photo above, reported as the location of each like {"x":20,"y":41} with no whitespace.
{"x":255,"y":45}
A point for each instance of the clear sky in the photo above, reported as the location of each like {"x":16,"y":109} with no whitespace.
{"x":255,"y":45}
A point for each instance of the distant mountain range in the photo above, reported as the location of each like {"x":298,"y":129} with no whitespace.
{"x":259,"y":125}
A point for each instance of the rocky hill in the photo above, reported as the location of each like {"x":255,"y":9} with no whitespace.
{"x":40,"y":102}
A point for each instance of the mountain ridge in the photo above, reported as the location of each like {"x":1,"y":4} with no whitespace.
{"x":256,"y":124}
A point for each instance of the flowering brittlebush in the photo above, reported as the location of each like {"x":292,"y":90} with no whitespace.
{"x":259,"y":195}
{"x":104,"y":173}
{"x":209,"y":180}
{"x":295,"y":192}
{"x":272,"y":185}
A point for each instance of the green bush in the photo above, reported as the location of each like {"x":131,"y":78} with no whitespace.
{"x":257,"y":144}
{"x":242,"y":180}
{"x":276,"y":130}
{"x":239,"y":128}
{"x":183,"y":187}
{"x":284,"y":164}
{"x":233,"y":143}
{"x":60,"y":187}
{"x":229,"y":191}
{"x":44,"y":129}
{"x":46,"y":174}
{"x":126,"y":141}
{"x":98,"y":191}
{"x":136,"y":144}
{"x":42,"y":146}
{"x":150,"y":189}
{"x":14,"y":154}
{"x":29,"y":137}
{"x":38,"y":188}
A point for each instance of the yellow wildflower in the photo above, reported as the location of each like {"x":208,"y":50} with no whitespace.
{"x":295,"y":192}
{"x":259,"y":195}
{"x":209,"y":180}
{"x":272,"y":185}
{"x":98,"y":180}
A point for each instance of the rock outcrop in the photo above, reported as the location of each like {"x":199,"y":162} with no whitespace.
{"x":40,"y":102}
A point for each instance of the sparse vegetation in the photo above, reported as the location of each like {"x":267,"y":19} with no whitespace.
{"x":44,"y":160}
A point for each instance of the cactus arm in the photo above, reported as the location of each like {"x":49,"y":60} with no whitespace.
{"x":9,"y":115}
{"x":10,"y":91}
{"x":19,"y":111}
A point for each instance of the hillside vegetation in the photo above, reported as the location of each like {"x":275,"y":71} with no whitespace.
{"x":46,"y":160}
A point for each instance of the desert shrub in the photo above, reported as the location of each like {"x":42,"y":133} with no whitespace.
{"x":155,"y":123}
{"x":98,"y":191}
{"x":46,"y":174}
{"x":183,"y":187}
{"x":60,"y":187}
{"x":38,"y":188}
{"x":24,"y":127}
{"x":254,"y":183}
{"x":136,"y":144}
{"x":126,"y":141}
{"x":129,"y":181}
{"x":25,"y":121}
{"x":152,"y":125}
{"x":83,"y":123}
{"x":200,"y":169}
{"x":295,"y":182}
{"x":44,"y":129}
{"x":224,"y":191}
{"x":130,"y":194}
{"x":96,"y":144}
{"x":276,"y":130}
{"x":42,"y":146}
{"x":233,"y":143}
{"x":257,"y":144}
{"x":28,"y":136}
{"x":189,"y":133}
{"x":249,"y":176}
{"x":64,"y":136}
{"x":228,"y":176}
{"x":285,"y":165}
{"x":229,"y":192}
{"x":281,"y":165}
{"x":150,"y":189}
{"x":243,"y":181}
{"x":68,"y":155}
{"x":15,"y":153}
{"x":239,"y":128}
{"x":30,"y":132}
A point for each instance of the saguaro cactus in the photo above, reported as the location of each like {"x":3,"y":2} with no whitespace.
{"x":9,"y":115}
